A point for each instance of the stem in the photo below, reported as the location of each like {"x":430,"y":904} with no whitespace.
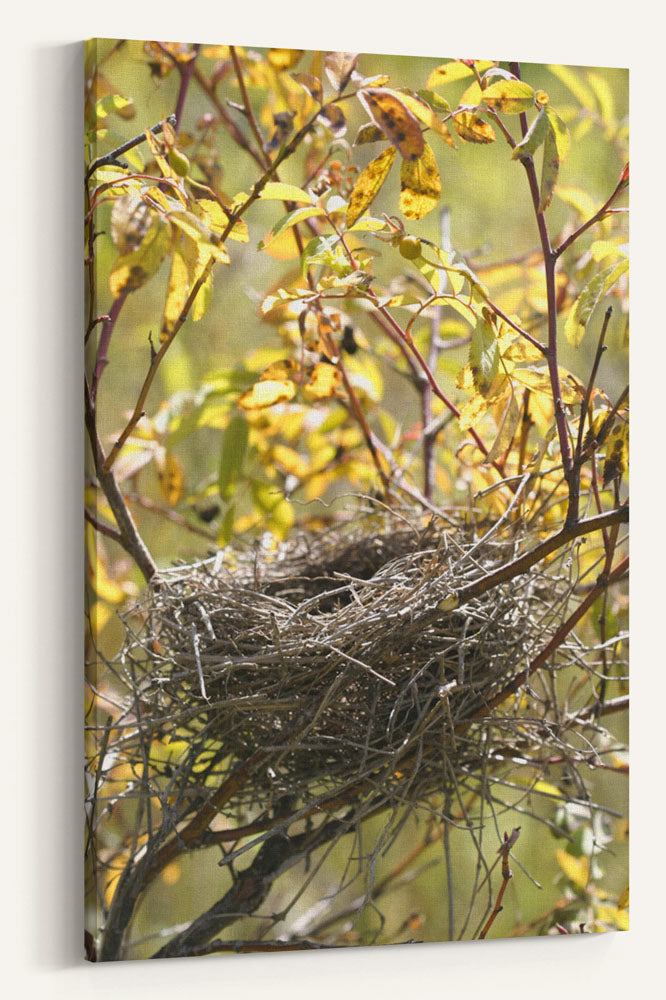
{"x":102,"y":359}
{"x":111,"y":159}
{"x":186,"y":71}
{"x":524,"y":562}
{"x":549,"y":260}
{"x":598,"y":215}
{"x":130,"y":538}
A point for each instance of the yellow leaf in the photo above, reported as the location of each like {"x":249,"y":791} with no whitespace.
{"x":171,"y":477}
{"x":614,"y":916}
{"x":132,"y":270}
{"x":623,"y":898}
{"x":452,"y":71}
{"x":617,"y":452}
{"x":577,"y":870}
{"x":509,"y":96}
{"x":183,"y":263}
{"x":420,"y":185}
{"x":284,"y":58}
{"x":540,"y":382}
{"x":267,"y":393}
{"x":323,"y":382}
{"x":472,"y":128}
{"x":471,"y":411}
{"x":394,"y":119}
{"x":425,"y":114}
{"x":368,"y":183}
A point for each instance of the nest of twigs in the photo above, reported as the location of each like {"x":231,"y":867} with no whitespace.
{"x":339,"y":667}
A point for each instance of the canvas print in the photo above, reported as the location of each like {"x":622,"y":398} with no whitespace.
{"x":356,"y":500}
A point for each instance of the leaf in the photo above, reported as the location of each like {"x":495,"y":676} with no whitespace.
{"x":483,"y":356}
{"x":171,"y":477}
{"x":283,"y":59}
{"x":577,"y":870}
{"x":394,"y":119}
{"x":132,"y":270}
{"x":540,"y":382}
{"x":323,"y":382}
{"x":535,"y":136}
{"x":448,"y":73}
{"x":471,"y":411}
{"x":274,"y":191}
{"x":368,"y":133}
{"x":560,"y":133}
{"x":555,"y":149}
{"x":131,"y":218}
{"x":574,"y":328}
{"x":289,"y":220}
{"x":420,"y":185}
{"x":472,"y":128}
{"x":181,"y":277}
{"x":368,"y":183}
{"x":339,"y":67}
{"x":507,"y":429}
{"x":283,"y":126}
{"x":426,"y":115}
{"x":312,"y":84}
{"x":267,"y":393}
{"x":333,"y":118}
{"x":232,"y":455}
{"x":617,"y":452}
{"x":509,"y":96}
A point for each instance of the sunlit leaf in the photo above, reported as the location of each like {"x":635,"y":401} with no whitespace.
{"x":617,"y":452}
{"x":284,"y":58}
{"x":132,"y":270}
{"x":394,"y":119}
{"x":591,"y":295}
{"x":577,"y":870}
{"x":170,"y":476}
{"x":289,"y":220}
{"x":539,"y":382}
{"x":471,"y":411}
{"x":507,"y":429}
{"x":426,"y":115}
{"x":483,"y":356}
{"x":420,"y":185}
{"x":368,"y":183}
{"x":267,"y":393}
{"x":472,"y":128}
{"x":509,"y":96}
{"x":274,"y":191}
{"x":131,"y":218}
{"x":323,"y":382}
{"x":452,"y":71}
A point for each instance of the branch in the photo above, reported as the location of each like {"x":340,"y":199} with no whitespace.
{"x":111,"y":159}
{"x":598,"y":215}
{"x":130,"y":538}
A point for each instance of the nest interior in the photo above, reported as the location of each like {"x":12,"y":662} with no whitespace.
{"x":342,"y":658}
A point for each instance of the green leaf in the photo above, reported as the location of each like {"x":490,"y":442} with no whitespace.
{"x":298,"y":215}
{"x":574,"y":328}
{"x":483,"y":356}
{"x":534,"y":137}
{"x":112,"y":102}
{"x":284,"y":192}
{"x":232,"y":455}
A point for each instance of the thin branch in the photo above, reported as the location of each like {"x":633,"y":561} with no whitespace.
{"x":598,"y":215}
{"x":111,"y":159}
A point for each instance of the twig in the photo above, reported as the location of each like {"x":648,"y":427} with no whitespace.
{"x":111,"y":159}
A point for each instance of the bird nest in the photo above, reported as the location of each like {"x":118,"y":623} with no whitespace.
{"x":340,"y":667}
